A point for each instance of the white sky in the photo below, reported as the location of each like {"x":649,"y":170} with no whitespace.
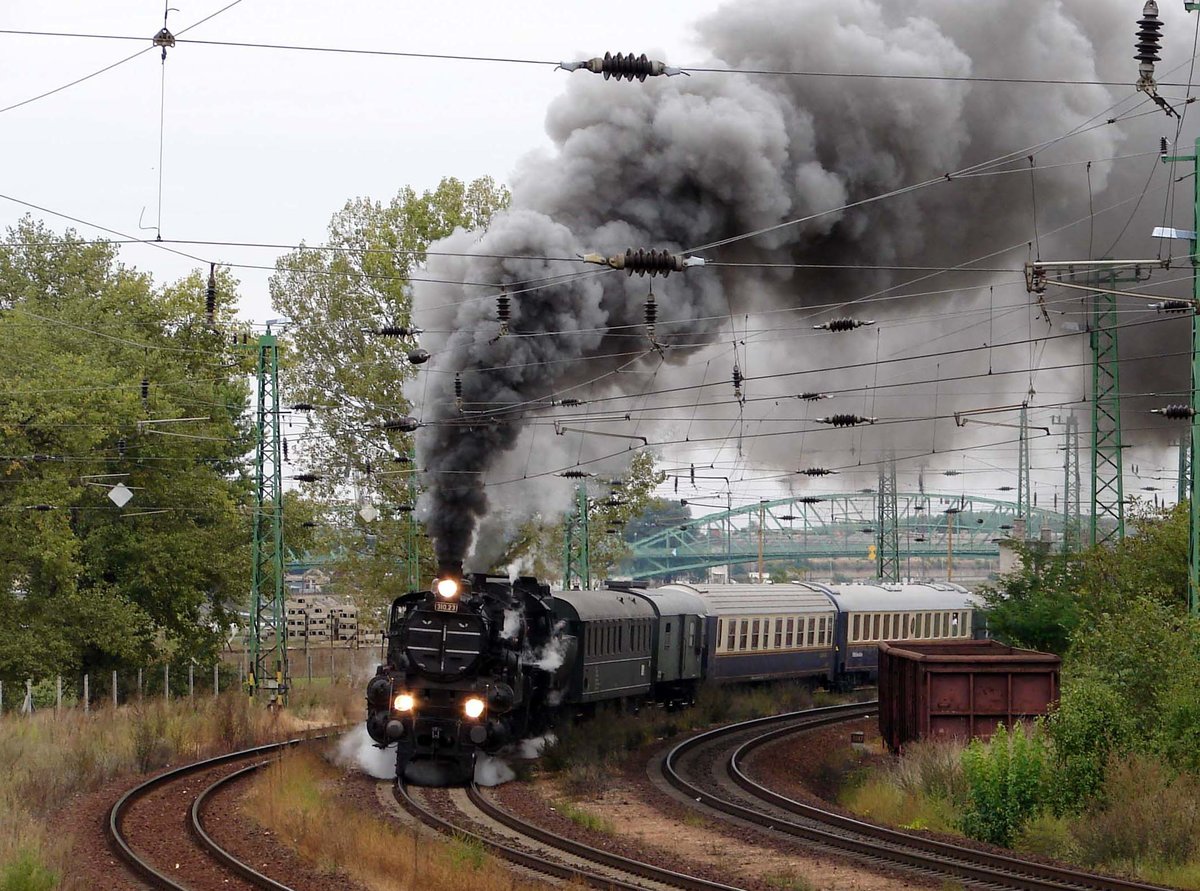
{"x":265,"y":145}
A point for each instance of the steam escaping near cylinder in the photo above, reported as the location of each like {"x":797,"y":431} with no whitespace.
{"x":680,"y":164}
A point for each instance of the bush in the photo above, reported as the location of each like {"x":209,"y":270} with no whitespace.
{"x":1090,"y":725}
{"x":1007,"y":784}
{"x":27,"y":873}
{"x":1149,"y":814}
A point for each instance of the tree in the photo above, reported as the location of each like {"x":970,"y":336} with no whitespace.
{"x":354,"y":378}
{"x":94,"y":354}
{"x":613,"y":504}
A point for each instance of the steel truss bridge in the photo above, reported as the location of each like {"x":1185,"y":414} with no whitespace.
{"x":842,"y":525}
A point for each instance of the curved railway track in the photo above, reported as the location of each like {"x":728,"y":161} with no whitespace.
{"x":735,"y":794}
{"x":528,"y":845}
{"x":206,"y":853}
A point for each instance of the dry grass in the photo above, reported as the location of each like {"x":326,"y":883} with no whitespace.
{"x":50,"y":758}
{"x":295,"y":799}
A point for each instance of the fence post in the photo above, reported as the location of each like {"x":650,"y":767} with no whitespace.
{"x":309,"y":655}
{"x":332,"y":676}
{"x":217,"y":679}
{"x":1,"y":699}
{"x":28,"y":697}
{"x":114,"y":689}
{"x":87,"y":701}
{"x":191,"y":681}
{"x":166,"y":682}
{"x":57,"y":694}
{"x":139,"y":685}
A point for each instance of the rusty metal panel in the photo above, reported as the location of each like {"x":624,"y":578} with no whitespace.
{"x":960,"y":689}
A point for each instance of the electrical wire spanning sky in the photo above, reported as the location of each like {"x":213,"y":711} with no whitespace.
{"x":968,"y":139}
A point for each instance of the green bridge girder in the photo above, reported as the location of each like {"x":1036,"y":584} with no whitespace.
{"x":838,"y":525}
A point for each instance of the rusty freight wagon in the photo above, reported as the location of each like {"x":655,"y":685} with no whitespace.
{"x":960,"y":689}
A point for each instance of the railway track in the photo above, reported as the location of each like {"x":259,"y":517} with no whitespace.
{"x":195,"y":858}
{"x":517,"y":841}
{"x":724,"y":785}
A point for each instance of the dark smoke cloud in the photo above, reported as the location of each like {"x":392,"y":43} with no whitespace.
{"x":678,"y":163}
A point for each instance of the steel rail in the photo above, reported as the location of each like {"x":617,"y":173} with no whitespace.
{"x":117,"y":813}
{"x":540,"y":864}
{"x":867,"y":839}
{"x":214,"y":849}
{"x":587,"y":852}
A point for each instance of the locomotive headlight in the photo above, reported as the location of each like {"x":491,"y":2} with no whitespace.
{"x":404,"y":702}
{"x":446,"y":588}
{"x":473,"y":707}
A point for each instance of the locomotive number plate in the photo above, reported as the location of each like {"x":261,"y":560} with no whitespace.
{"x":442,"y":607}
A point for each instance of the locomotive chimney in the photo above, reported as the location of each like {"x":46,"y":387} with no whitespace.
{"x":450,"y":569}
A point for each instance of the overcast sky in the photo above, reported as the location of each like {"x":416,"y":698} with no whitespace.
{"x":265,"y":145}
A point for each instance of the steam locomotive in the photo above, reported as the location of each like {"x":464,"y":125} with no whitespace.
{"x":478,"y":661}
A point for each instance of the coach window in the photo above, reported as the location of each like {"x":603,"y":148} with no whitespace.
{"x":778,"y":633}
{"x":744,"y":634}
{"x":720,"y":633}
{"x":791,"y":638}
{"x":953,"y":625}
{"x":731,"y":641}
{"x":887,"y":626}
{"x":875,"y":627}
{"x":754,"y":635}
{"x":905,"y":621}
{"x":811,"y":637}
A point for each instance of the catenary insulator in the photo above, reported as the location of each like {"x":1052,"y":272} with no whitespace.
{"x":285,"y":451}
{"x":575,"y":474}
{"x":40,"y":507}
{"x":404,"y":425}
{"x":401,"y":459}
{"x":1172,"y":306}
{"x":210,"y":295}
{"x":811,"y":396}
{"x":1148,"y":45}
{"x":623,"y":67}
{"x":651,"y":311}
{"x":737,"y":383}
{"x":396,"y":331}
{"x":949,"y":473}
{"x":145,"y":388}
{"x":567,"y":402}
{"x":1162,"y":145}
{"x":307,"y":478}
{"x":121,"y":448}
{"x":503,"y":311}
{"x":846,"y":420}
{"x":817,"y":471}
{"x":303,"y":406}
{"x":418,"y":357}
{"x":645,"y":262}
{"x":1174,"y":412}
{"x":458,"y":391}
{"x":309,"y":524}
{"x":404,"y":508}
{"x":810,"y":499}
{"x":1004,"y":489}
{"x":846,"y":324}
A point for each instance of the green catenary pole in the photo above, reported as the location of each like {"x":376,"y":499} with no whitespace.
{"x":1194,"y":439}
{"x":268,"y":636}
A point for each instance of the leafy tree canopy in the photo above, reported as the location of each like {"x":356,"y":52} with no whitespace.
{"x":336,"y":295}
{"x":93,"y":353}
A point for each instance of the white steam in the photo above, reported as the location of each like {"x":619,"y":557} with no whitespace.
{"x":356,"y":750}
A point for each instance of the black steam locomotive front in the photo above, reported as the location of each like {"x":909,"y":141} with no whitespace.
{"x":457,"y":679}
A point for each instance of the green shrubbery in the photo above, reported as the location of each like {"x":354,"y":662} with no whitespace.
{"x":1007,"y":781}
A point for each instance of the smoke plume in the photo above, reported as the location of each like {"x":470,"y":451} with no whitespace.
{"x":684,"y":162}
